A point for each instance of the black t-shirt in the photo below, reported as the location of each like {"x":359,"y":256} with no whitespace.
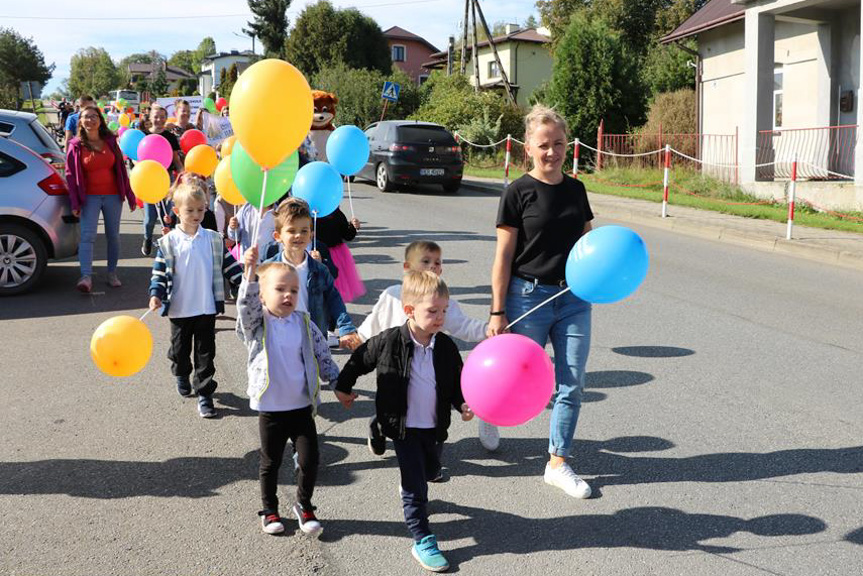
{"x":549,"y":219}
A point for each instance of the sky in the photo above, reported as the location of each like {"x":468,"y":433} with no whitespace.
{"x":62,"y":27}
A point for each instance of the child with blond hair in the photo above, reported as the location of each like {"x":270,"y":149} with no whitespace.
{"x":418,"y":385}
{"x":187,"y":284}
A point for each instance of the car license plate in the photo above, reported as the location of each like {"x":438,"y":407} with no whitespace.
{"x":431,"y":171}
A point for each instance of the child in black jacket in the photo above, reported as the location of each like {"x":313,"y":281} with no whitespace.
{"x":418,"y":383}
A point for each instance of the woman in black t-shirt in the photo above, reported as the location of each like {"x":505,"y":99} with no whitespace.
{"x":541,"y":216}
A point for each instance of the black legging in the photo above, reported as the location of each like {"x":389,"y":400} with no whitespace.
{"x":276,"y":428}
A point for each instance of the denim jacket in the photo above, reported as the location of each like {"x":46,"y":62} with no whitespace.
{"x":324,"y":299}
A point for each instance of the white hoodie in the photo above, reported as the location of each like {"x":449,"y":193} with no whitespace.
{"x":388,"y":312}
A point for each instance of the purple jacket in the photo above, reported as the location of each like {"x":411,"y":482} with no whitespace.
{"x":76,"y":178}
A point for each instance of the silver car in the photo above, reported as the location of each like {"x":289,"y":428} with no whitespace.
{"x":24,"y":128}
{"x":36,"y":221}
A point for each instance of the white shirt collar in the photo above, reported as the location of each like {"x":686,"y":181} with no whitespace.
{"x":273,"y":318}
{"x":417,"y":343}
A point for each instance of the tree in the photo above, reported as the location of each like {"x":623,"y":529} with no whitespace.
{"x":530,"y":22}
{"x":555,"y":14}
{"x":666,"y":68}
{"x":227,"y":79}
{"x":595,"y":76}
{"x":206,"y":47}
{"x":323,"y":36}
{"x":92,"y":72}
{"x":20,"y":61}
{"x":159,"y":82}
{"x":270,"y":25}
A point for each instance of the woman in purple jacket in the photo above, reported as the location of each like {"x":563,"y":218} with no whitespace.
{"x":98,"y":183}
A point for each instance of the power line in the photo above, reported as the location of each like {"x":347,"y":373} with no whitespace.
{"x":194,"y":17}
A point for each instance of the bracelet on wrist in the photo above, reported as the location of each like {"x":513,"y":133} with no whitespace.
{"x":497,"y":313}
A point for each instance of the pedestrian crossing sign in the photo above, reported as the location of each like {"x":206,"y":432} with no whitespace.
{"x":390,"y":91}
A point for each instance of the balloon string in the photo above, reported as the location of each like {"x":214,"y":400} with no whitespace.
{"x":350,"y":198}
{"x":144,"y":315}
{"x":315,"y":231}
{"x":260,"y":210}
{"x":535,"y":308}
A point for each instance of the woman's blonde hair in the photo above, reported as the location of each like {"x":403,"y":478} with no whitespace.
{"x":539,"y":115}
{"x":189,"y":186}
{"x":155,"y":107}
{"x":417,"y":285}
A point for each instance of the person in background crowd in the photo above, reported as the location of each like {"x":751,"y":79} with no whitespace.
{"x":71,"y":125}
{"x":158,"y":117}
{"x":98,"y":183}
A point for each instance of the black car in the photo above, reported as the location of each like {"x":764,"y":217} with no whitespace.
{"x":409,"y":152}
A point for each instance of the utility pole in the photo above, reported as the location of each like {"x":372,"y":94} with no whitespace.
{"x":475,"y":50}
{"x":450,"y":55}
{"x":463,"y":63}
{"x":503,"y":75}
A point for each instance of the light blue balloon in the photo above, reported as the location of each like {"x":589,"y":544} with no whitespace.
{"x":607,"y":265}
{"x":129,"y":142}
{"x":348,"y":149}
{"x":320,"y":185}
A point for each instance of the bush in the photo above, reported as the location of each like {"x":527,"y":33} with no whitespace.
{"x":452,"y":102}
{"x":595,"y":76}
{"x":359,"y":94}
{"x":666,"y":68}
{"x":672,"y":113}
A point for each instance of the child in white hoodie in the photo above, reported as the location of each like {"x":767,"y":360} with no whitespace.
{"x":388,"y":312}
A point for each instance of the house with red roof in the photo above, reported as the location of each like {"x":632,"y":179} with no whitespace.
{"x":409,"y":52}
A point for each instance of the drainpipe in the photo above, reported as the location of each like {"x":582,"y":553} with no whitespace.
{"x":697,"y":56}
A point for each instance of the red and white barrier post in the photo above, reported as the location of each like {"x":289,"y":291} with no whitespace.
{"x":665,"y":180}
{"x":792,"y":190}
{"x":506,"y":160}
{"x":575,"y":153}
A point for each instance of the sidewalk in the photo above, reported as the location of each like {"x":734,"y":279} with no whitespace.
{"x":827,"y":246}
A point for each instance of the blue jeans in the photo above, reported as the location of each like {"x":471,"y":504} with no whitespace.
{"x":152,"y":216}
{"x":111,"y":207}
{"x":566,"y":321}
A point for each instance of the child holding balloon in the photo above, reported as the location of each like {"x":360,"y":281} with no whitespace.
{"x":158,"y":118}
{"x":418,"y":383}
{"x":287,"y":353}
{"x":187,"y":284}
{"x":318,"y":295}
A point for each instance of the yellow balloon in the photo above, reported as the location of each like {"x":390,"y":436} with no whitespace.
{"x":227,"y":146}
{"x":121,"y":346}
{"x":150,"y":181}
{"x":202,"y":160}
{"x":271,"y":111}
{"x":225,"y":183}
{"x":171,"y":120}
{"x":123,"y":120}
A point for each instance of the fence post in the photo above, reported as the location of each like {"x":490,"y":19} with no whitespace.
{"x":575,"y":153}
{"x":736,"y":155}
{"x":792,"y":191}
{"x":599,"y":132}
{"x":665,"y":181}
{"x":506,"y":160}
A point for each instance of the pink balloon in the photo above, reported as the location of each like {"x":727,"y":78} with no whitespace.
{"x":507,"y":380}
{"x":121,"y":130}
{"x":156,"y":147}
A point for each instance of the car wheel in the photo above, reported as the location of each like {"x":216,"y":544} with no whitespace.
{"x":383,"y":178}
{"x":452,"y":186}
{"x":22,"y":259}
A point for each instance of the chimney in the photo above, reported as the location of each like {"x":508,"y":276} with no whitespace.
{"x":510,"y":28}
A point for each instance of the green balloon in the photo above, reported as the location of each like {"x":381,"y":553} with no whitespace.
{"x":210,"y":105}
{"x":249,"y":177}
{"x":113,"y":126}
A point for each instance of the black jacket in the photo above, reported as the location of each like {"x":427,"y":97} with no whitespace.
{"x":391,"y":352}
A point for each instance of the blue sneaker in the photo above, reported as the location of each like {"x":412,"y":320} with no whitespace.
{"x":429,"y":555}
{"x":184,"y":387}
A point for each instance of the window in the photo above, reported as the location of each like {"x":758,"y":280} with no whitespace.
{"x":778,"y":74}
{"x":6,"y":129}
{"x":422,"y":79}
{"x":9,"y":166}
{"x":398,"y":53}
{"x":493,"y":69}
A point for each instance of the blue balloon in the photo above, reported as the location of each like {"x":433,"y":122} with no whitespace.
{"x":129,"y":143}
{"x":348,"y":149}
{"x":606,"y":265}
{"x":320,"y":185}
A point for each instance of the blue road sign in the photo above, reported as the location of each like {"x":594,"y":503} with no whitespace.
{"x":390,"y":91}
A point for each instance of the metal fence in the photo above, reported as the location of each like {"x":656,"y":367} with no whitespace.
{"x":823,"y":153}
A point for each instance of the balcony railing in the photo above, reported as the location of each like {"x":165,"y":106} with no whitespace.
{"x":821,"y":153}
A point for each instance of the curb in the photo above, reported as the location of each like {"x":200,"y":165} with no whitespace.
{"x":757,"y":241}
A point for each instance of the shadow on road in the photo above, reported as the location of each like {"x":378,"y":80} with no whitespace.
{"x":653,"y":351}
{"x":652,"y":528}
{"x":855,"y":537}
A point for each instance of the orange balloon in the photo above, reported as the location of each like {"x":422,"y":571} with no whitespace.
{"x":150,"y":181}
{"x":123,"y":120}
{"x":225,"y":183}
{"x":121,"y":346}
{"x":227,"y":146}
{"x":202,"y":160}
{"x":171,"y":120}
{"x":271,"y":111}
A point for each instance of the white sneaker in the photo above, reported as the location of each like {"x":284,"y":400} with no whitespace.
{"x":564,"y":478}
{"x":271,"y":523}
{"x":489,"y":436}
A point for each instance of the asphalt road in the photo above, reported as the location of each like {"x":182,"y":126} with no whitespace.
{"x":721,"y":431}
